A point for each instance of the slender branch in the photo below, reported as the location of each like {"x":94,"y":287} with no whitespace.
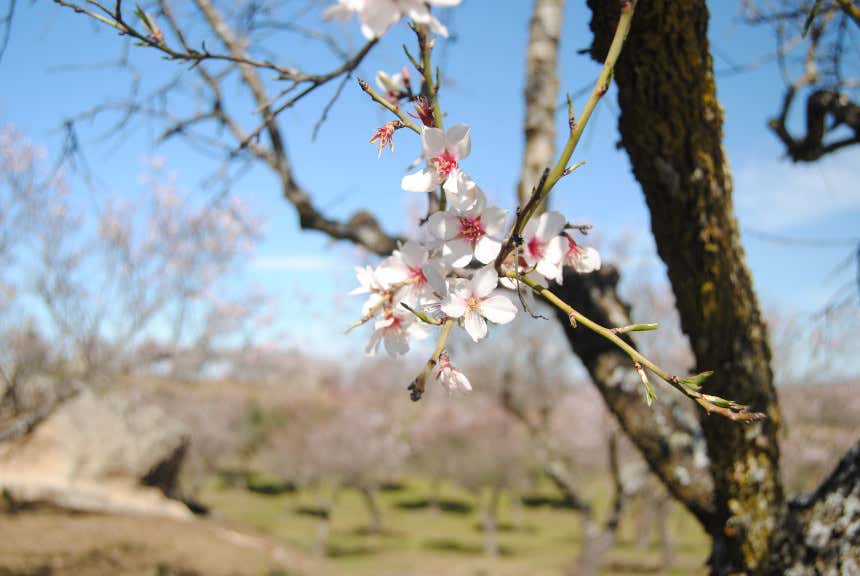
{"x":851,"y":9}
{"x":576,"y":128}
{"x":379,"y":99}
{"x":430,"y":86}
{"x":416,"y":388}
{"x":687,"y":385}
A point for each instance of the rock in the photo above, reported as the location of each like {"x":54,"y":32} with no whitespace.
{"x":112,"y":452}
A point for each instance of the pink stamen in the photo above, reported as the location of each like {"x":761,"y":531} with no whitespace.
{"x":472,"y":229}
{"x":416,"y":276}
{"x":444,"y":164}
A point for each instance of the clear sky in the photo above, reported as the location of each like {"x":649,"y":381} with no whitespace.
{"x":47,"y":74}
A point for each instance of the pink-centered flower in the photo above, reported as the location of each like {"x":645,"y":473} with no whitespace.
{"x":394,"y":329}
{"x":542,"y":246}
{"x":443,"y":153}
{"x":583,"y":259}
{"x":449,"y":376}
{"x":377,"y":16}
{"x":475,"y":231}
{"x":474,"y":302}
{"x":421,"y":277}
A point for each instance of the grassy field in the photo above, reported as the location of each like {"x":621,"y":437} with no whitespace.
{"x":256,"y":534}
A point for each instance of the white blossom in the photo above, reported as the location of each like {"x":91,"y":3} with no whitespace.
{"x":443,"y":153}
{"x":474,"y":302}
{"x":412,"y":267}
{"x":542,"y":246}
{"x":376,"y":16}
{"x":394,"y":329}
{"x":449,"y":376}
{"x":583,"y":259}
{"x":474,"y":232}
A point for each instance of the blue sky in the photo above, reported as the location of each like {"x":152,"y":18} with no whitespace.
{"x":48,"y":75}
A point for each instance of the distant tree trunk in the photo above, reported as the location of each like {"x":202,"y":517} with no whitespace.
{"x":490,"y":524}
{"x":326,"y":507}
{"x":372,"y":503}
{"x":671,"y":127}
{"x":598,"y":540}
{"x":541,"y":93}
{"x":435,"y":491}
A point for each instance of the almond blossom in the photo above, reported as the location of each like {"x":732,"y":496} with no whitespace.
{"x":474,"y":232}
{"x":369,"y":283}
{"x":474,"y":302}
{"x":376,"y":16}
{"x":443,"y":153}
{"x":394,"y":329}
{"x":449,"y":376}
{"x":583,"y":259}
{"x":412,"y":267}
{"x":542,"y":245}
{"x":394,"y":86}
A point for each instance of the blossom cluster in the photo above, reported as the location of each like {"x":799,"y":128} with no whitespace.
{"x":451,"y":272}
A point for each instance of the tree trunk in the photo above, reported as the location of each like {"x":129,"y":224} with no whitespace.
{"x":326,"y":506}
{"x":491,"y":513}
{"x":671,"y":127}
{"x":541,"y":93}
{"x":598,"y":540}
{"x":372,"y":503}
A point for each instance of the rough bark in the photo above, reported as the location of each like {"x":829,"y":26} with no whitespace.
{"x":822,"y":530}
{"x":541,"y":93}
{"x":671,"y":127}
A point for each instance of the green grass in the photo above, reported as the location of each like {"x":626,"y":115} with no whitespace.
{"x":419,"y":539}
{"x":248,"y":525}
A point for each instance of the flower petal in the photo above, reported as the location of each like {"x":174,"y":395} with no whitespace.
{"x":498,"y":309}
{"x":459,"y":140}
{"x":377,"y":16}
{"x":457,"y":252}
{"x":414,"y":255}
{"x":462,"y":194}
{"x":432,"y":141}
{"x":434,"y":271}
{"x":550,"y":225}
{"x":475,"y":325}
{"x":396,"y":343}
{"x":454,"y":305}
{"x":443,"y":225}
{"x":586,"y":260}
{"x":549,"y":270}
{"x":484,"y":281}
{"x":422,"y":181}
{"x":487,"y":249}
{"x":494,"y":220}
